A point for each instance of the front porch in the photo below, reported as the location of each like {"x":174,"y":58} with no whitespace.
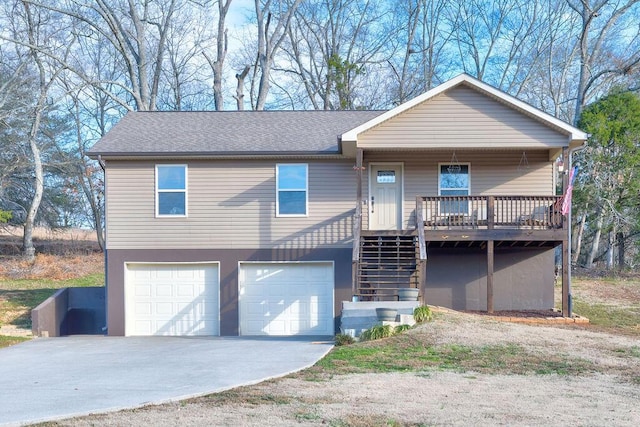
{"x":476,"y":158}
{"x":465,"y":228}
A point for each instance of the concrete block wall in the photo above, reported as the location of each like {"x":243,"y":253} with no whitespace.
{"x":70,"y":311}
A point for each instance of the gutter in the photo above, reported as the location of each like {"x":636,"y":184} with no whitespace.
{"x":569,"y":218}
{"x":102,"y":163}
{"x":105,"y":329}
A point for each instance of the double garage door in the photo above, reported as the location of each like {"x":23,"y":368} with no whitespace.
{"x":274,"y":299}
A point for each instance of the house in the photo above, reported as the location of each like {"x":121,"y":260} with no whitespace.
{"x":263,"y":222}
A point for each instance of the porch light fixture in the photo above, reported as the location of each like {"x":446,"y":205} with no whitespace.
{"x":560,"y":166}
{"x":454,"y":165}
{"x":524,"y":163}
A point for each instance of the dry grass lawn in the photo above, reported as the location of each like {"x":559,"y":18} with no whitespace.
{"x":460,"y":369}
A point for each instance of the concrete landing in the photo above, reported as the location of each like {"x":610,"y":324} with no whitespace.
{"x":359,"y":316}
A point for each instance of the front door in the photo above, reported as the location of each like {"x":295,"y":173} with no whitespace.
{"x":385,"y":197}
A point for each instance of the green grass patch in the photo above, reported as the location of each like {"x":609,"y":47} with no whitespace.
{"x":19,"y":297}
{"x":16,"y":305}
{"x":96,"y":279}
{"x":405,"y":353}
{"x":633,"y":352}
{"x":7,"y":341}
{"x":625,"y":319}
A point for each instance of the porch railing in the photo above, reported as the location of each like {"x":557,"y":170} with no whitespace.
{"x":488,"y":212}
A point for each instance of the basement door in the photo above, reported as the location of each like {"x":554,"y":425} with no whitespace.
{"x":385,"y":196}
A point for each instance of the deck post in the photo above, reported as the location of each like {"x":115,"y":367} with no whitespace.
{"x":491,"y":203}
{"x":566,"y":311}
{"x":490,"y":268}
{"x":566,"y":248}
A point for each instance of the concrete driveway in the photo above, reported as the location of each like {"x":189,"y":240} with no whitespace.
{"x":54,"y":378}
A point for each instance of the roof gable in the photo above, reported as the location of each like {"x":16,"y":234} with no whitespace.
{"x":466,"y":81}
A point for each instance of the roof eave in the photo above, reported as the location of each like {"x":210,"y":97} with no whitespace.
{"x":211,"y":155}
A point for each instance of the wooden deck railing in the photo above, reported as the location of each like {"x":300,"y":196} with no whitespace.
{"x":488,"y":212}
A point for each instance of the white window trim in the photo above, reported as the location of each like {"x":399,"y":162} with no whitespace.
{"x":306,"y":191}
{"x":440,"y":164}
{"x":185,"y":191}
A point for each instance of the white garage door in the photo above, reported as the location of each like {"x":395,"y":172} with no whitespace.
{"x":172,"y":299}
{"x":286,"y":298}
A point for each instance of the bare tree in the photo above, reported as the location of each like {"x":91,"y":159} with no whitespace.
{"x":46,"y":78}
{"x":222,"y":47}
{"x":270,"y":38}
{"x":495,"y":40}
{"x":423,"y":38}
{"x":239,"y":96}
{"x":183,"y":84}
{"x":332,"y":47}
{"x":137,"y":31}
{"x":606,"y":49}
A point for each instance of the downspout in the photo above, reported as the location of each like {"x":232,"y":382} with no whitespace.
{"x":105,"y":328}
{"x":569,"y":228}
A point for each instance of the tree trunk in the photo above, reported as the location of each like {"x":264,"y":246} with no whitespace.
{"x":269,"y":42}
{"x":239,"y":97}
{"x":610,"y":245}
{"x":579,"y":234}
{"x":217,"y":66}
{"x":28,"y":250}
{"x":620,"y":242}
{"x":596,"y":239}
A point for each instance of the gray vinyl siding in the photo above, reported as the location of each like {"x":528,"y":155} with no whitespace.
{"x":231,"y":204}
{"x":491,"y":173}
{"x":461,"y":117}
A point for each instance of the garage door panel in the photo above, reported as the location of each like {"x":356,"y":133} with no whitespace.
{"x":286,"y":299}
{"x":178,"y":299}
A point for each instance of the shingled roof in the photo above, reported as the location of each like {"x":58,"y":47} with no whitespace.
{"x":213,"y":133}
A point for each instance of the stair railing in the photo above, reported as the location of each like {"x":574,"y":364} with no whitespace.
{"x":422,"y":246}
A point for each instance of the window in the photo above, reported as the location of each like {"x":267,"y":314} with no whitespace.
{"x":386,"y":177}
{"x":454,"y":181}
{"x":171,"y":190}
{"x":291,"y":189}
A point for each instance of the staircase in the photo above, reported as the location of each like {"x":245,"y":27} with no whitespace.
{"x":386,"y":263}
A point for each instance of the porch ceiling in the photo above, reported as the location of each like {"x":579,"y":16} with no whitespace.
{"x":497,"y":244}
{"x":349,"y":149}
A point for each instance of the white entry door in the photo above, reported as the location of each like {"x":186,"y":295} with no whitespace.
{"x":385,"y":198}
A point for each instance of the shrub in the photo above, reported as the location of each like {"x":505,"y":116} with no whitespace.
{"x":5,"y":216}
{"x":422,"y":314}
{"x":344,"y":339}
{"x":377,"y":332}
{"x":401,"y":328}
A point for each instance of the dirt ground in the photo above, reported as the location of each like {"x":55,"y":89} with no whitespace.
{"x":604,"y":395}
